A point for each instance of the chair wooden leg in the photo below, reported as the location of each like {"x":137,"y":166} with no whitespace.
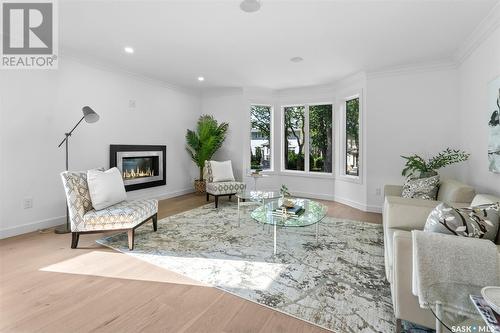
{"x":398,"y":326}
{"x":75,"y":236}
{"x":230,"y":196}
{"x":208,"y":198}
{"x":131,"y":233}
{"x":216,"y":201}
{"x":155,"y":221}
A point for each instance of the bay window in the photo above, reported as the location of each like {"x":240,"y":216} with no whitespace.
{"x":308,"y":138}
{"x":320,"y":138}
{"x":351,"y":131}
{"x":294,"y":125}
{"x":260,"y":137}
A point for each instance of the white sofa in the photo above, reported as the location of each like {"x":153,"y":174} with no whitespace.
{"x":400,"y":216}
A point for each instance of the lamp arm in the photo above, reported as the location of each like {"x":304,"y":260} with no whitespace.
{"x":70,"y":132}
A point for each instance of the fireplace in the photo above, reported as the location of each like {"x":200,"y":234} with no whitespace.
{"x":141,"y":166}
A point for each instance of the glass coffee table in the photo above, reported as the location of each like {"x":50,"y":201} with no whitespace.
{"x":248,"y":198}
{"x":313,"y":214}
{"x":450,"y":303}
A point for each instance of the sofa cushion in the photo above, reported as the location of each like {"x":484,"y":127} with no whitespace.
{"x":481,"y":199}
{"x":454,"y":191}
{"x":221,"y":188}
{"x":124,"y":215}
{"x":421,"y":188}
{"x":477,"y":222}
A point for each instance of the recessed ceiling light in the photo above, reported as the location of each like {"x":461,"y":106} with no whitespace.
{"x":201,"y":78}
{"x":128,"y":49}
{"x":250,"y":6}
{"x":297,"y":59}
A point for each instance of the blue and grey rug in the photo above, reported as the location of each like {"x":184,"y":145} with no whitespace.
{"x":337,"y":283}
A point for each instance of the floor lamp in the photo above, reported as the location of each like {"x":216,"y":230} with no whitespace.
{"x":90,"y":117}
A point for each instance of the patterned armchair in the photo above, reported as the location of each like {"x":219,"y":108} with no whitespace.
{"x":123,"y":216}
{"x":219,"y":189}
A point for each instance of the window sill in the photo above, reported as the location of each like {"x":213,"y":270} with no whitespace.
{"x":319,"y":175}
{"x":350,"y":179}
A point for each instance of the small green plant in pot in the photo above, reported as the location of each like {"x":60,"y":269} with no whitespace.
{"x":418,"y":167}
{"x":203,"y":143}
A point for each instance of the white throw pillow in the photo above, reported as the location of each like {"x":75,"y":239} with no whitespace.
{"x":222,"y":171}
{"x":106,"y":187}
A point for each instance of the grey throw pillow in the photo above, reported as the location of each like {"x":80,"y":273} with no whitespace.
{"x":421,"y":188}
{"x":478,"y":222}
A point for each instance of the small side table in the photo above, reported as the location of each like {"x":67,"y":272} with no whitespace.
{"x":450,"y":303}
{"x":255,"y":177}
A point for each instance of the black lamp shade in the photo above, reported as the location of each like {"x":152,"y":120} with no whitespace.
{"x":90,"y":115}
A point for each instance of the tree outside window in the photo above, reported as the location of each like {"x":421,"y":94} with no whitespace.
{"x":352,"y":137}
{"x":320,"y":138}
{"x":294,"y":124}
{"x":260,"y":140}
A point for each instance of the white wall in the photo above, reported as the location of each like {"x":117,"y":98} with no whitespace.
{"x":475,"y":73}
{"x":227,"y":105}
{"x":409,"y":112}
{"x":233,"y":106}
{"x":37,"y":107}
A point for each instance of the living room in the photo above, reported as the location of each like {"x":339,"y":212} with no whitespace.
{"x":249,"y":166}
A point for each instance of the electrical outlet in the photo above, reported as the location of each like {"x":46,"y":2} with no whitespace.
{"x":28,"y":203}
{"x":378,"y":191}
{"x":131,"y":104}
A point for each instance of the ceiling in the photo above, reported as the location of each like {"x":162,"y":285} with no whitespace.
{"x":178,"y":40}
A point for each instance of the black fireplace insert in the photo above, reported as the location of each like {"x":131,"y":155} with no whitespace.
{"x":141,"y":166}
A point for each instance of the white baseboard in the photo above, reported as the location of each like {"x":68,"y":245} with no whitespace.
{"x":32,"y":226}
{"x":55,"y":221}
{"x":348,"y":202}
{"x":313,"y":195}
{"x":174,"y":194}
{"x":374,"y":209}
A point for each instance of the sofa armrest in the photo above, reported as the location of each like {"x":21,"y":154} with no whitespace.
{"x":405,"y":304}
{"x":407,"y":213}
{"x":393,"y":190}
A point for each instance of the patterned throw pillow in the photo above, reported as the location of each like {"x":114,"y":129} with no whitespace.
{"x":478,"y":222}
{"x":421,"y":188}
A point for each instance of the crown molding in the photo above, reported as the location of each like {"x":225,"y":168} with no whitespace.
{"x":484,"y":29}
{"x":91,"y":62}
{"x":414,"y":68}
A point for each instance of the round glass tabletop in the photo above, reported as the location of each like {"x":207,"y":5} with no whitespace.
{"x":270,"y":213}
{"x":452,"y":305}
{"x":258,"y":195}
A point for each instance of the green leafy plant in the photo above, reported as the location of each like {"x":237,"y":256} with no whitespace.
{"x":203,"y":142}
{"x":284,"y":191}
{"x":415,"y":163}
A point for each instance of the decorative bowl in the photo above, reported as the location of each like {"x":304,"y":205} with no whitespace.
{"x":492,"y":296}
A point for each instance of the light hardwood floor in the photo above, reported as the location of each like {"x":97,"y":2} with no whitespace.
{"x":47,"y":287}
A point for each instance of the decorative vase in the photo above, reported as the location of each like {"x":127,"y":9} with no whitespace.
{"x":200,"y":186}
{"x":427,"y":174}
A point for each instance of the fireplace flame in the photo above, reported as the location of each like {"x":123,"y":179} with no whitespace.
{"x":137,"y":173}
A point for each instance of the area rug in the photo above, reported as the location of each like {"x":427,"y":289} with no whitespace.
{"x":337,"y":283}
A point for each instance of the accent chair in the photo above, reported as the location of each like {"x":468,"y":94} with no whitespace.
{"x":222,"y":188}
{"x":124,"y":216}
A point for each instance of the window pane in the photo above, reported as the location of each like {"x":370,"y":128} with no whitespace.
{"x":352,"y":137}
{"x":260,"y":139}
{"x":320,"y":138}
{"x":294,"y":118}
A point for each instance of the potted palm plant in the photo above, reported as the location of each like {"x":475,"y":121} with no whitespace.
{"x":203,"y":142}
